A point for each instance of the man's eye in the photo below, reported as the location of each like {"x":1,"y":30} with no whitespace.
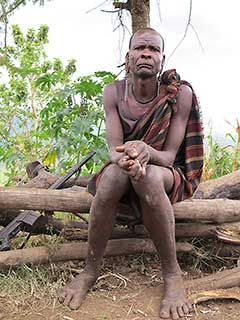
{"x":155,"y":49}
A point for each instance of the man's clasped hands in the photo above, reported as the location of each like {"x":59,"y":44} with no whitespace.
{"x":134,"y":160}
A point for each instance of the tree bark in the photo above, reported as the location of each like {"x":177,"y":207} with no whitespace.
{"x":216,"y":210}
{"x":220,"y":280}
{"x":78,"y":251}
{"x":40,"y":199}
{"x":227,"y":186}
{"x":140,"y":12}
{"x":43,"y":179}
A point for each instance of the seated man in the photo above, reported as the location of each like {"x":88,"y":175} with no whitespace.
{"x":155,"y":144}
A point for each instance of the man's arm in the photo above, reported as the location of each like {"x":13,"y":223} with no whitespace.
{"x":113,"y":125}
{"x":176,"y":131}
{"x":115,"y":133}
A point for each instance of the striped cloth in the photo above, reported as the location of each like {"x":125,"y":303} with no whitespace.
{"x":152,"y":128}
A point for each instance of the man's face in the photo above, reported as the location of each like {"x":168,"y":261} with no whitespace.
{"x":145,"y":54}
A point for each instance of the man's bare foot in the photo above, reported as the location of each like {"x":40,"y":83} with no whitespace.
{"x":174,"y":304}
{"x":74,"y":293}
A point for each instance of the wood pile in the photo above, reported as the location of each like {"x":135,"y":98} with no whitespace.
{"x":213,"y":212}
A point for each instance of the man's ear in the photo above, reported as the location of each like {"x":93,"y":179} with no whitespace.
{"x":162,"y":63}
{"x":127,"y":62}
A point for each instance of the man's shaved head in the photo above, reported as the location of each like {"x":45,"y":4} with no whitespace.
{"x":146,"y":30}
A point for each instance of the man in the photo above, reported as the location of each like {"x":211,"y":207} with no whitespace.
{"x":155,"y":149}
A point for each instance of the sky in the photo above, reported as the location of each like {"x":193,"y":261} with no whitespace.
{"x":80,"y":30}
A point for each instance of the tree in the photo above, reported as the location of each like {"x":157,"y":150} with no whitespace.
{"x":139,"y":10}
{"x":7,"y":8}
{"x":47,"y":112}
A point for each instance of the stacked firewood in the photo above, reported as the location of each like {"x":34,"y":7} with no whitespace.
{"x":213,"y":212}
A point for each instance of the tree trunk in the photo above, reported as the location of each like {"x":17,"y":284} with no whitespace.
{"x":227,"y":186}
{"x":43,"y":179}
{"x":78,"y":251}
{"x":216,"y":210}
{"x":220,"y":280}
{"x":139,"y":10}
{"x":40,"y":199}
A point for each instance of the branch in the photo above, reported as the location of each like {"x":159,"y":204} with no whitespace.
{"x":111,"y":11}
{"x":159,"y":10}
{"x":11,"y":9}
{"x":101,"y":4}
{"x":122,"y":5}
{"x":196,"y":34}
{"x":185,"y":32}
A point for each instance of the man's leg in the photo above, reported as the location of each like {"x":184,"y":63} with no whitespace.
{"x":112,"y":186}
{"x":158,"y":218}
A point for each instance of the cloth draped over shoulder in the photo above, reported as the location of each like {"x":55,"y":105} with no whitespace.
{"x":152,"y":128}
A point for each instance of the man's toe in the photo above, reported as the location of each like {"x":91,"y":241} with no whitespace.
{"x":68,"y":299}
{"x":75,"y":302}
{"x":61,"y":296}
{"x":174,"y":313}
{"x":186,"y":309}
{"x":180,"y":311}
{"x":165,"y":312}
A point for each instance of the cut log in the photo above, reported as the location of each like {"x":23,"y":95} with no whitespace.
{"x":78,"y":251}
{"x":229,"y":235}
{"x":227,"y":186}
{"x":40,"y":199}
{"x":190,"y":230}
{"x":41,"y":178}
{"x":216,"y":210}
{"x":230,"y":293}
{"x":220,"y":280}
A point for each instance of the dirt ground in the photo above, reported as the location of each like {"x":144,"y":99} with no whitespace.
{"x":128,"y":289}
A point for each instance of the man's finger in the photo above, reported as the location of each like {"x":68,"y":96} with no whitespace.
{"x":132,"y":153}
{"x":120,"y":148}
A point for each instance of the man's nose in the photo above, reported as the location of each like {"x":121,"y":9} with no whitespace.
{"x":146,"y":53}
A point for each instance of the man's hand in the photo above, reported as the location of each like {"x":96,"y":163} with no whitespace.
{"x":135,"y":159}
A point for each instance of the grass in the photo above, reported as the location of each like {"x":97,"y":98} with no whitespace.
{"x":3,"y":179}
{"x":42,"y":282}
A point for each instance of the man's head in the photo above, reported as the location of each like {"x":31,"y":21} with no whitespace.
{"x":145,"y":30}
{"x":145,"y":57}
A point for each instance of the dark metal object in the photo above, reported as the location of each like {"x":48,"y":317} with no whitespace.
{"x":29,"y":219}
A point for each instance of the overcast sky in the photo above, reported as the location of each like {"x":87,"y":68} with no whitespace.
{"x":90,"y":39}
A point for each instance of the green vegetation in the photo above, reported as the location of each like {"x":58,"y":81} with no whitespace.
{"x":47,"y":111}
{"x":221,"y":160}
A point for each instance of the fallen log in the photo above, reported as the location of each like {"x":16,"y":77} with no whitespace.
{"x":230,"y":293}
{"x":41,"y":199}
{"x":41,"y":178}
{"x":216,"y":210}
{"x":77,"y":230}
{"x":220,"y":280}
{"x":227,"y":186}
{"x":192,"y":230}
{"x":78,"y":251}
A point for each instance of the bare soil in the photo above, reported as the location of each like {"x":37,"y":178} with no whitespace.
{"x":130,"y":288}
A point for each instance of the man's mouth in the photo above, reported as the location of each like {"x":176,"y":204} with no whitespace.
{"x":144,"y":65}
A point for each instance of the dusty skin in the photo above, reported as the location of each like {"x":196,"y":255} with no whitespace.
{"x":174,"y":304}
{"x":139,"y":167}
{"x":74,"y":293}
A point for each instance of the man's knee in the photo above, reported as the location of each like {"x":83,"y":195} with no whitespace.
{"x":152,"y":187}
{"x":112,"y":184}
